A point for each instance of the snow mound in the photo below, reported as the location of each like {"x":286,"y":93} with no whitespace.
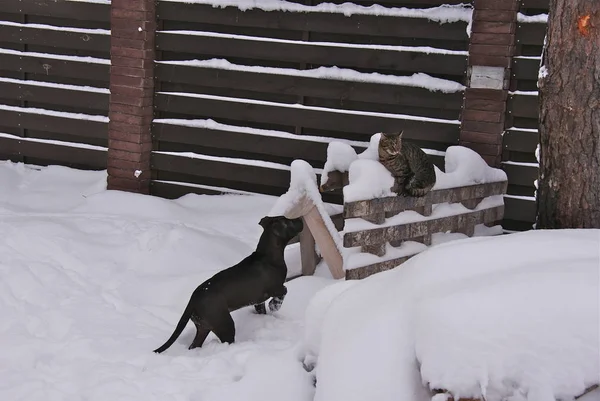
{"x":513,"y":317}
{"x":339,"y":157}
{"x":303,"y":186}
{"x":368,"y":179}
{"x":464,"y":166}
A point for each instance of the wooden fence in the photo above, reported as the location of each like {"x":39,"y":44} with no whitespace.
{"x":233,"y":96}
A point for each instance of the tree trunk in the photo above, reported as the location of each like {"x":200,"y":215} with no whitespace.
{"x":568,"y":194}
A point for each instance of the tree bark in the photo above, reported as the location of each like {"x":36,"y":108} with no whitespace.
{"x":568,"y":194}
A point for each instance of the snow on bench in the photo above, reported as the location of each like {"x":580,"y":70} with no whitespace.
{"x":383,"y":230}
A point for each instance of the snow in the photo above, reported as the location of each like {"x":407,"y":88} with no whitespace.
{"x":315,"y":108}
{"x":213,"y":125}
{"x":93,"y":280}
{"x":537,"y":19}
{"x":339,"y":158}
{"x":441,"y":14}
{"x":55,"y":85}
{"x":303,"y":186}
{"x":84,"y":31}
{"x":81,"y":59}
{"x":53,"y":113}
{"x":413,"y":49}
{"x":245,"y":162}
{"x":368,"y":179}
{"x":512,"y":317}
{"x":419,"y":80}
{"x":54,"y":142}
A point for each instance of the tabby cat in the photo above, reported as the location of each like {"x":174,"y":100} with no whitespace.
{"x":413,"y":172}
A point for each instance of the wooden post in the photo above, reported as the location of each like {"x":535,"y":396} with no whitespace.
{"x":328,"y":248}
{"x":491,"y":48}
{"x":308,"y":255}
{"x":133,"y":28}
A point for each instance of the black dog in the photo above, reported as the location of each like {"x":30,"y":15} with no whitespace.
{"x":255,"y":279}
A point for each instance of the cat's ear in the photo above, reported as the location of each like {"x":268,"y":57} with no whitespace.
{"x":400,"y":134}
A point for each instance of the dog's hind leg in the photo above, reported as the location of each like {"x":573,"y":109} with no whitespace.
{"x":201,"y":334}
{"x":277,"y":300}
{"x":224,"y":327}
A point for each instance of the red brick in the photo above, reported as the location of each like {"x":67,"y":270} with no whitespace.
{"x":489,"y":61}
{"x":478,"y":126}
{"x":132,"y":15}
{"x":129,"y":156}
{"x":131,"y":91}
{"x":482,"y":148}
{"x":486,"y":94}
{"x":494,"y":27}
{"x":123,"y":80}
{"x":491,"y":50}
{"x":132,"y":72}
{"x":131,"y":119}
{"x":129,"y":137}
{"x":125,"y":184}
{"x":131,"y":62}
{"x":484,"y":104}
{"x":492,"y":38}
{"x":132,"y":53}
{"x":478,"y":115}
{"x":510,"y":5}
{"x":494,"y":15}
{"x":480,"y":137}
{"x":136,"y":5}
{"x":116,"y":171}
{"x":129,"y":128}
{"x":125,"y":23}
{"x":132,"y":33}
{"x":131,"y":44}
{"x":131,"y":110}
{"x":144,"y":147}
{"x":131,"y":100}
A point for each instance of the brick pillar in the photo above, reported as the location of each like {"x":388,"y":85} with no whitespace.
{"x":491,"y":48}
{"x":133,"y":28}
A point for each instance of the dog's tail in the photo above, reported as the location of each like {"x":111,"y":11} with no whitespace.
{"x":187,"y":313}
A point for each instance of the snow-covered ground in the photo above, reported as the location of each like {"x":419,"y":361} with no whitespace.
{"x":94,"y":280}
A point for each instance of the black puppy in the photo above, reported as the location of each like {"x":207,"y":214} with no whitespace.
{"x":255,"y":279}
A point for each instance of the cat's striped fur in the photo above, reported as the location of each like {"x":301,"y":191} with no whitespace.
{"x":413,"y":172}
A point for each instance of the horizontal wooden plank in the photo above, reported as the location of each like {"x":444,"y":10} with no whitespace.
{"x":69,"y":155}
{"x":535,"y":4}
{"x":392,"y":3}
{"x":396,"y":204}
{"x":240,"y":141}
{"x":523,"y":106}
{"x":523,"y":175}
{"x":519,"y":209}
{"x":55,"y":38}
{"x":526,"y":68}
{"x":381,"y":235}
{"x":326,"y":119}
{"x":78,"y":10}
{"x":219,"y":170}
{"x":307,"y":86}
{"x":531,"y":34}
{"x":44,"y":65}
{"x":356,"y":24}
{"x":303,"y":52}
{"x":53,"y":123}
{"x":520,"y":141}
{"x":25,"y":91}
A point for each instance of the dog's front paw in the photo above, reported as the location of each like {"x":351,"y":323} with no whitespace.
{"x":275,"y":304}
{"x":260,"y":308}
